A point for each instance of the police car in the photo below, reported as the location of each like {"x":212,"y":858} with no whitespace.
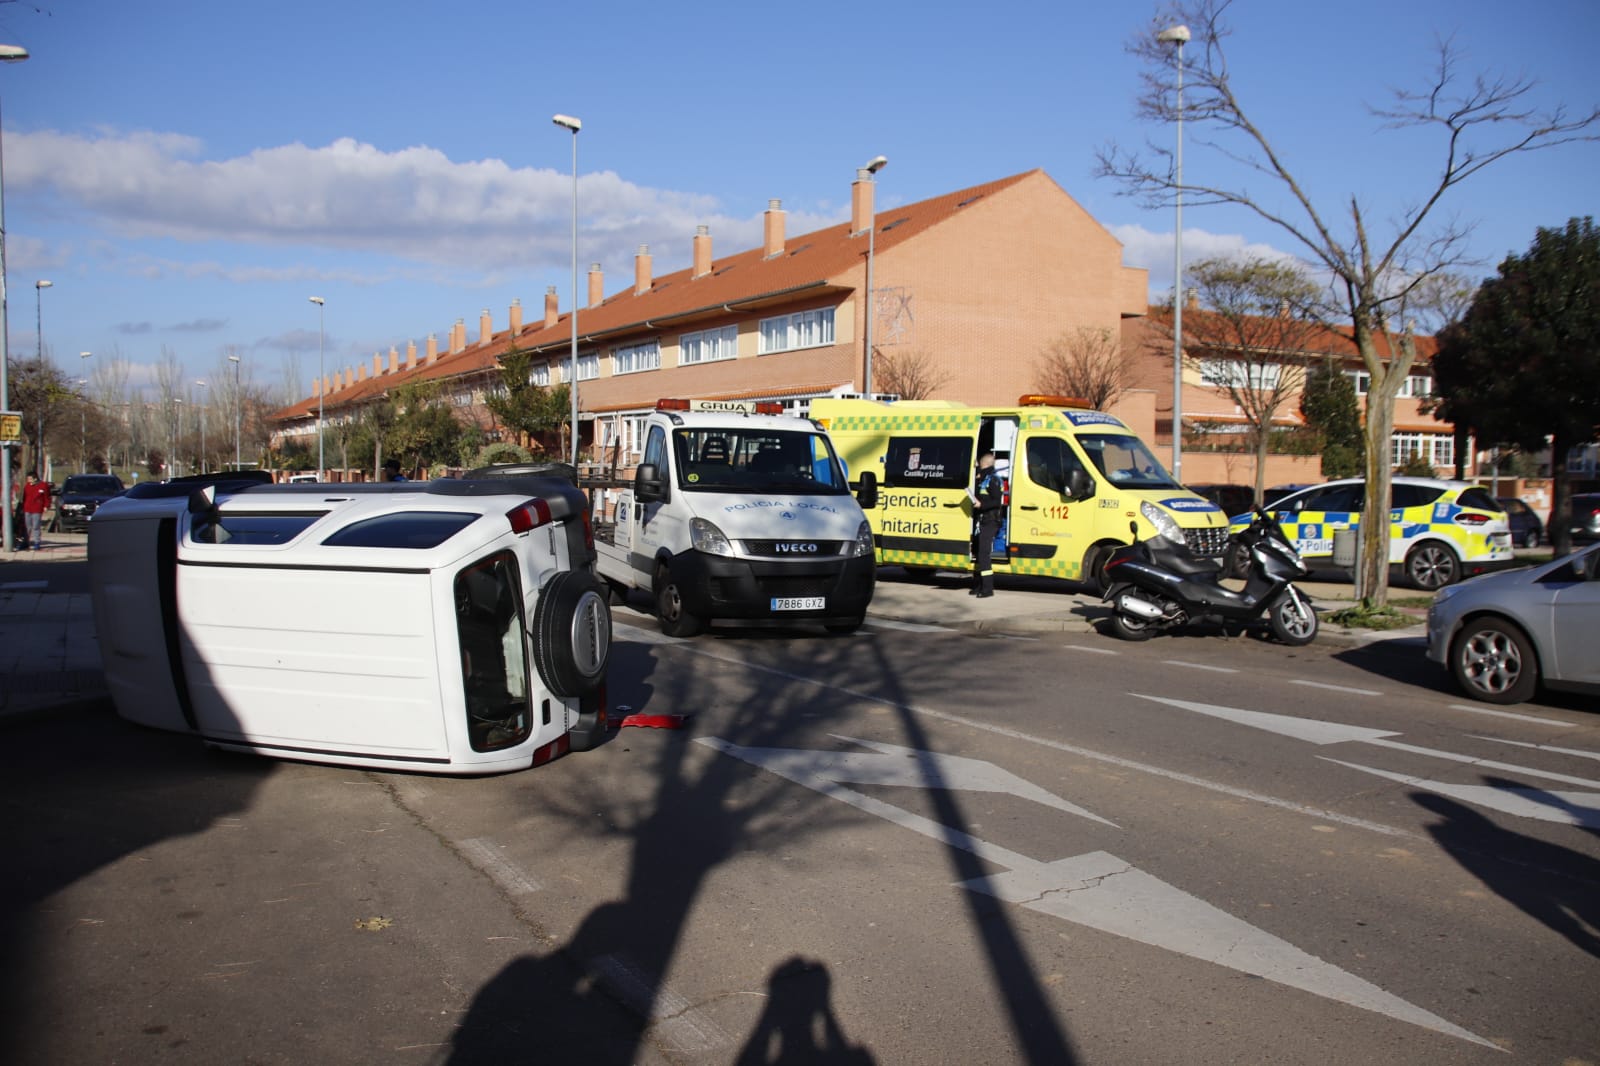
{"x":1440,"y":531}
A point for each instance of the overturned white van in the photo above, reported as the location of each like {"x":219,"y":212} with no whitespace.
{"x":451,"y":626}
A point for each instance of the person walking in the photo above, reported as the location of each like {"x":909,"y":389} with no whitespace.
{"x":988,"y":508}
{"x":35,"y":498}
{"x":391,"y":470}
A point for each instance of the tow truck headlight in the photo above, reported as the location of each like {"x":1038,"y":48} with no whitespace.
{"x":706,"y":537}
{"x":1166,"y":525}
{"x":863,"y":544}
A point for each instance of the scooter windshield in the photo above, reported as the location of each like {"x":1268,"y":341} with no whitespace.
{"x":1123,"y":460}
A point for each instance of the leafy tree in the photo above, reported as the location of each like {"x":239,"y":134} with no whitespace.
{"x":1523,"y":366}
{"x":418,"y":426}
{"x":1086,"y":363}
{"x":1249,"y":338}
{"x":1329,"y":405}
{"x":534,"y":412}
{"x":1376,"y":265}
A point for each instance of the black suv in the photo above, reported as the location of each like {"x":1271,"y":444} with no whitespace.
{"x":81,"y":495}
{"x":1585,"y":525}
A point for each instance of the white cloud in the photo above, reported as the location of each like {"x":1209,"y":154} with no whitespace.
{"x":1153,"y":251}
{"x":413,"y":204}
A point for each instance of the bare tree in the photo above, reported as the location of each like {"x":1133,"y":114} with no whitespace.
{"x":1087,"y":364}
{"x":912,"y":374}
{"x":1250,"y":337}
{"x":1479,"y":122}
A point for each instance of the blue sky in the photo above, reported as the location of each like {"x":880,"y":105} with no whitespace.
{"x":188,"y":172}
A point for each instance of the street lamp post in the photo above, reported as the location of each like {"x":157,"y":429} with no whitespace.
{"x":177,"y":435}
{"x":1177,"y":35}
{"x":205,"y":406}
{"x":83,"y":422}
{"x":321,"y":476}
{"x":877,"y":164}
{"x":9,"y":53}
{"x":234,"y":359}
{"x":573,"y":124}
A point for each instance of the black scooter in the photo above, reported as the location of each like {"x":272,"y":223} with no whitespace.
{"x":1160,"y":584}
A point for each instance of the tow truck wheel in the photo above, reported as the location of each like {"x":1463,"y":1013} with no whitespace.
{"x":571,"y":633}
{"x":674,"y":616}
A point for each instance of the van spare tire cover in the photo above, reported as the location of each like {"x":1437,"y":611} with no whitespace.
{"x":571,"y":633}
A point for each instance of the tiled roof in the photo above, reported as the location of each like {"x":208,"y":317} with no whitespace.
{"x":809,"y":262}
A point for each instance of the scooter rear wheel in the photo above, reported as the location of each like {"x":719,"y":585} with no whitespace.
{"x":1293,"y":621}
{"x":1129,"y":628}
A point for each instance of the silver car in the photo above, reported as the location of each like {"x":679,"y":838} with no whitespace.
{"x":1503,"y":634}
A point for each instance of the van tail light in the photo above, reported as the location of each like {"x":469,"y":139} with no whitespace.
{"x":531,"y":515}
{"x":1471,"y":518}
{"x":588,"y":532}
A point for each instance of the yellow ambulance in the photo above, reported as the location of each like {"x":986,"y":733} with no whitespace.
{"x":1077,"y":478}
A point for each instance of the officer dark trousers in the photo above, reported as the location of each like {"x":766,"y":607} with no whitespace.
{"x":982,"y":550}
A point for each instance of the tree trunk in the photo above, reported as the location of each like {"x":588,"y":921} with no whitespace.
{"x":1372,"y":568}
{"x":1559,"y":532}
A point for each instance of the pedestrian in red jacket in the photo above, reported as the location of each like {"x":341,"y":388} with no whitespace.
{"x":35,"y":498}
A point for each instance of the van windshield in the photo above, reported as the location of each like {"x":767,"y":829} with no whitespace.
{"x":737,"y":459}
{"x":1123,"y":460}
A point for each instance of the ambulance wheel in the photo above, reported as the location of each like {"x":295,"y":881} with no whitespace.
{"x":1431,"y":566}
{"x":571,"y":633}
{"x":1094,"y":570}
{"x":672,"y":613}
{"x":845,"y":628}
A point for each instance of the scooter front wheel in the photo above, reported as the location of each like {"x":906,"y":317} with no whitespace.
{"x":1293,"y":620}
{"x":1131,"y":628}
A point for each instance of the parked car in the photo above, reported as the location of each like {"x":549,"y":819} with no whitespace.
{"x":1273,"y":494}
{"x":1503,"y":635}
{"x":1584,"y":525}
{"x":1233,"y":499}
{"x":1527,"y":530}
{"x":81,"y":495}
{"x":1440,"y":531}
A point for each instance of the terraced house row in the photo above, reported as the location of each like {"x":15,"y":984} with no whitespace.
{"x":972,"y":287}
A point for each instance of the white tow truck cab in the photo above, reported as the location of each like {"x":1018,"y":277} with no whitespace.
{"x":450,"y":626}
{"x":1076,"y":478}
{"x":739,"y":513}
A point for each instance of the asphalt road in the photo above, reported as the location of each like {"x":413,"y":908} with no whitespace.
{"x":898,"y":847}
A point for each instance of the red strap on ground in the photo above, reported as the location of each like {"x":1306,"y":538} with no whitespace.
{"x":656,"y":721}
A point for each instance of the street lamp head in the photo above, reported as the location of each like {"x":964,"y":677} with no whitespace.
{"x":43,"y":284}
{"x":85,"y":355}
{"x":568,"y":122}
{"x":317,"y":300}
{"x":877,"y":164}
{"x":234,"y":359}
{"x":12,"y":53}
{"x":1174,"y":35}
{"x":202,"y":384}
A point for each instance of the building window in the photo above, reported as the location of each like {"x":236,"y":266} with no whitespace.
{"x":1439,"y":449}
{"x":1416,"y":386}
{"x":1237,"y":374}
{"x":1362,"y":381}
{"x":627,"y":430}
{"x":588,"y":366}
{"x":708,"y":345}
{"x":540,"y":375}
{"x":633,"y":358}
{"x":807,"y":329}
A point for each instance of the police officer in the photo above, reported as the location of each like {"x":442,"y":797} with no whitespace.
{"x":988,"y":504}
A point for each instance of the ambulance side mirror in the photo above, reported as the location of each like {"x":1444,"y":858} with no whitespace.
{"x":1080,"y":486}
{"x":867,"y":495}
{"x":647,"y":484}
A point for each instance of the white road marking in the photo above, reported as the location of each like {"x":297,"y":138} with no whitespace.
{"x":680,"y":1028}
{"x":1581,"y":809}
{"x":909,"y":627}
{"x":1097,"y":889}
{"x":1338,"y":688}
{"x":1087,"y":648}
{"x":1509,"y":714}
{"x":1540,"y":747}
{"x":1311,"y":730}
{"x":1487,"y":763}
{"x":1201,"y":666}
{"x":486,"y":854}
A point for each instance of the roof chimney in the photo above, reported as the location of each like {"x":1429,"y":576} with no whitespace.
{"x":361,"y":372}
{"x":433,"y":348}
{"x":861,"y":202}
{"x":316,"y":388}
{"x":349,"y":377}
{"x":394,"y":359}
{"x":411,"y":354}
{"x":641,"y":270}
{"x":552,"y":307}
{"x":597,"y":285}
{"x":1191,"y":299}
{"x":485,"y":330}
{"x":458,"y":336}
{"x":377,"y":364}
{"x":774,"y":229}
{"x":702,"y":251}
{"x":516,"y":316}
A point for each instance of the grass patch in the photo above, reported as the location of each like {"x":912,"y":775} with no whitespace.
{"x":1416,"y":603}
{"x":1359,"y":617}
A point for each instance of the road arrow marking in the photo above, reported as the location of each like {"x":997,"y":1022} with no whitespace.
{"x":1581,"y":809}
{"x":1580,"y":753}
{"x":1097,"y":889}
{"x":1307,"y":729}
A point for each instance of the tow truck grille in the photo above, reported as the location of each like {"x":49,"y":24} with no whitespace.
{"x":792,"y":549}
{"x":1207,"y":541}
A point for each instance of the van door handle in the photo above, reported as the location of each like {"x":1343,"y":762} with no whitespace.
{"x":1029,"y":507}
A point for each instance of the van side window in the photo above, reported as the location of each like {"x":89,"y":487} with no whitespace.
{"x":928,"y":462}
{"x":655,"y":449}
{"x":1051,"y":463}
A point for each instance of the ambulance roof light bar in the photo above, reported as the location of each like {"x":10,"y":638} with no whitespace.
{"x":1039,"y":400}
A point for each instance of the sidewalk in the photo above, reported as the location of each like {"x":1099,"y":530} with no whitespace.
{"x":50,"y":660}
